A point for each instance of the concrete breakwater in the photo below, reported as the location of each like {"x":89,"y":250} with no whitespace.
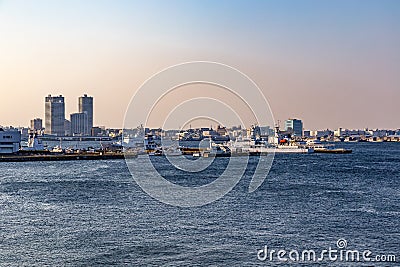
{"x":61,"y":157}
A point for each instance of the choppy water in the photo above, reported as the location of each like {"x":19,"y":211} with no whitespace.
{"x":87,"y":213}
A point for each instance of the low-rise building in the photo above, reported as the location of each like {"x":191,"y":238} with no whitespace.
{"x":294,"y":126}
{"x":9,"y":141}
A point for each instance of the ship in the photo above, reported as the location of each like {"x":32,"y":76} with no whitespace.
{"x":255,"y":145}
{"x":152,"y":145}
{"x":252,"y":147}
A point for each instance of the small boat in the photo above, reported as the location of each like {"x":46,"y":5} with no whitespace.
{"x":57,"y":149}
{"x":217,"y":150}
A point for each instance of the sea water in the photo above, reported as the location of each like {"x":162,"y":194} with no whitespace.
{"x":88,"y":213}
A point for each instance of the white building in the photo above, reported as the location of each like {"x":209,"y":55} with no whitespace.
{"x":9,"y":141}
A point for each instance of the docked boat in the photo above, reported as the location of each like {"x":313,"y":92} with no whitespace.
{"x":217,"y":150}
{"x":34,"y":143}
{"x":152,"y":145}
{"x":252,"y":147}
{"x":279,"y":144}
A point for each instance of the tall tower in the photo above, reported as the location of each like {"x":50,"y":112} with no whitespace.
{"x":86,"y":106}
{"x":54,"y":115}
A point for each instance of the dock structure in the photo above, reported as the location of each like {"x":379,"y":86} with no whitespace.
{"x":63,"y":157}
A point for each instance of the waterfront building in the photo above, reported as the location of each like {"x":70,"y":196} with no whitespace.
{"x":294,"y":126}
{"x":36,"y":124}
{"x":222,"y":131}
{"x":170,"y":133}
{"x":323,"y":133}
{"x":96,"y":131}
{"x":154,"y":131}
{"x":67,"y":127}
{"x":266,"y":130}
{"x":79,"y":123}
{"x":307,"y":133}
{"x":338,"y":132}
{"x":24,"y":132}
{"x":254,"y":132}
{"x":86,"y":106}
{"x":114,"y":133}
{"x":9,"y":141}
{"x":380,"y":133}
{"x":54,"y":115}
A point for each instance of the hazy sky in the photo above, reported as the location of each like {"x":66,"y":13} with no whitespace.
{"x":331,"y":63}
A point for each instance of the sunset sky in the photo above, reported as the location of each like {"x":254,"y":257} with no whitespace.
{"x":331,"y":63}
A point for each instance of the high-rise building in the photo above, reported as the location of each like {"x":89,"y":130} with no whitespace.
{"x":36,"y":124}
{"x":86,"y":106}
{"x":67,"y":127}
{"x":295,"y":126}
{"x":79,"y":123}
{"x":54,"y":115}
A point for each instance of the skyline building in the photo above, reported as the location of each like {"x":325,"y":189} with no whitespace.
{"x":54,"y":115}
{"x":36,"y":124}
{"x":85,"y":105}
{"x":79,"y":123}
{"x":295,"y":126}
{"x":67,"y":127}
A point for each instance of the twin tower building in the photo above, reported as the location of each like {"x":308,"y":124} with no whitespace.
{"x":80,"y":123}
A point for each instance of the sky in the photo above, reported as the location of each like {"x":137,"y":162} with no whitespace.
{"x":330,"y":63}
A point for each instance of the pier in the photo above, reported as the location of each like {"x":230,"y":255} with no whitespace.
{"x":62,"y":157}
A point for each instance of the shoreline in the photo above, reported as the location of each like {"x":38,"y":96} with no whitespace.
{"x":62,"y":157}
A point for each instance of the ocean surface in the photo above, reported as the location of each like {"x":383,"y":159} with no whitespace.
{"x":89,"y":213}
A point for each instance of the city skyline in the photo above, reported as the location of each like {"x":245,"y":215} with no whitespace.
{"x":84,"y":106}
{"x":331,"y":64}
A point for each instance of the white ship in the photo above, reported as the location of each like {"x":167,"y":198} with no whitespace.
{"x":34,"y":143}
{"x":279,"y":144}
{"x":253,"y":147}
